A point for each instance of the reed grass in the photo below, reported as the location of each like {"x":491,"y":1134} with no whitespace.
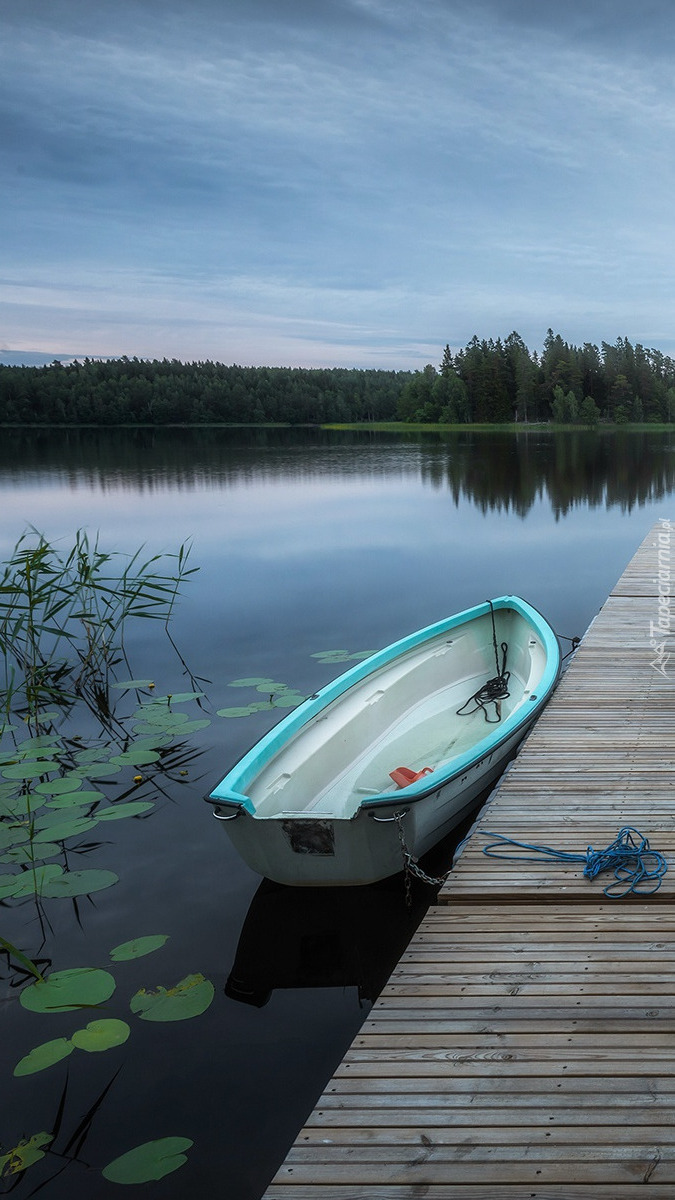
{"x":63,"y":618}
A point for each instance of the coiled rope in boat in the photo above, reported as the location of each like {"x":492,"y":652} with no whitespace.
{"x":496,"y":689}
{"x":638,"y":870}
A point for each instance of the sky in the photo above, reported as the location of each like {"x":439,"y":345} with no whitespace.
{"x":333,"y":182}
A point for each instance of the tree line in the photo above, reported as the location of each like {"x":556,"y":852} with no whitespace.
{"x":149,"y":392}
{"x":501,"y":381}
{"x":488,"y":381}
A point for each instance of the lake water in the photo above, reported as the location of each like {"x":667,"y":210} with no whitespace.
{"x":305,"y":540}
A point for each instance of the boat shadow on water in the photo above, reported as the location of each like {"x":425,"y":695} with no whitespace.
{"x":332,"y":937}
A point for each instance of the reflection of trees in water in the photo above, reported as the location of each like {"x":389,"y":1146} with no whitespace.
{"x":605,"y":471}
{"x":147,"y":458}
{"x":496,"y":471}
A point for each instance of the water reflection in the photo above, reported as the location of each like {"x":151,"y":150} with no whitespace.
{"x":335,"y":937}
{"x":496,"y":471}
{"x":601,"y":470}
{"x":322,"y":938}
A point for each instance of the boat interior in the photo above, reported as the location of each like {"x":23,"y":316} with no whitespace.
{"x":403,"y":714}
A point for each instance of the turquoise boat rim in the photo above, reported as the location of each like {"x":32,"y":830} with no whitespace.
{"x":232,"y":788}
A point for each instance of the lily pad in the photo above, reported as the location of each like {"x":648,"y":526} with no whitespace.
{"x":65,"y":829}
{"x":65,"y":991}
{"x":12,"y":835}
{"x":95,"y":754}
{"x":241,"y":710}
{"x":44,"y":1056}
{"x":51,"y":817}
{"x":272,"y":687}
{"x":78,"y":883}
{"x":188,"y":998}
{"x":192,"y":726}
{"x":98,"y":770}
{"x":116,"y":811}
{"x":138,"y":947}
{"x":24,"y":1154}
{"x":152,"y":1160}
{"x":173,"y":730}
{"x":60,"y":786}
{"x":21,"y":855}
{"x":11,"y":805}
{"x":30,"y":770}
{"x":12,"y":758}
{"x":340,"y":656}
{"x":11,"y":885}
{"x":42,"y":741}
{"x":288,"y":700}
{"x":74,"y":800}
{"x":136,"y":758}
{"x":29,"y":882}
{"x":152,"y":739}
{"x":253,"y":682}
{"x":161,"y":715}
{"x":101,"y":1035}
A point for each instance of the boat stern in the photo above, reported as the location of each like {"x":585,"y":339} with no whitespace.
{"x":310,"y":851}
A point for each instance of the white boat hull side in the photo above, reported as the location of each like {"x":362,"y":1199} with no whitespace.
{"x":366,"y":849}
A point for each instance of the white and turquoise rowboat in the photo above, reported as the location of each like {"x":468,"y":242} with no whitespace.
{"x":314,"y":801}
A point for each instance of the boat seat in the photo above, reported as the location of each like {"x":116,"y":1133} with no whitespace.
{"x":404,"y":776}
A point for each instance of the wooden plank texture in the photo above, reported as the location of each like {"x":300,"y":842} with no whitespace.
{"x":602,"y":755}
{"x":524,"y":1047}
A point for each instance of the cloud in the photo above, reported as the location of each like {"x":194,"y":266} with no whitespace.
{"x":612,"y":26}
{"x":330,"y":178}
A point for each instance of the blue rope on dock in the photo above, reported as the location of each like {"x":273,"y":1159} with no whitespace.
{"x":638,"y":870}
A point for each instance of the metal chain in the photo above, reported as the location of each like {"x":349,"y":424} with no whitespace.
{"x":407,"y":859}
{"x":411,"y":866}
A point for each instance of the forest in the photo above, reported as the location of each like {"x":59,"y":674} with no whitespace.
{"x":136,"y":391}
{"x":496,"y":382}
{"x":503,"y":381}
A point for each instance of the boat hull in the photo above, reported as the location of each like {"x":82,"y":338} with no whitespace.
{"x":313,"y":804}
{"x":367,"y":847}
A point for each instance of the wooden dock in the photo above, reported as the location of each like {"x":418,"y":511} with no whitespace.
{"x":524,"y":1048}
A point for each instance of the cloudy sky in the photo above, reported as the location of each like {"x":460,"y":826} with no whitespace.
{"x":358,"y":182}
